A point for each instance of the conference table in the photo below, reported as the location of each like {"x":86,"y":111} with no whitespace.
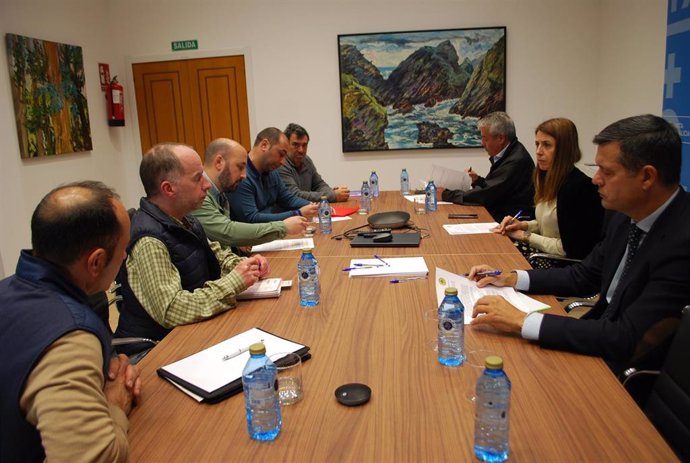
{"x":564,"y":407}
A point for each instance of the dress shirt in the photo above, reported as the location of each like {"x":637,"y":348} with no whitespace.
{"x":64,"y":399}
{"x":532,"y":323}
{"x":157,"y":285}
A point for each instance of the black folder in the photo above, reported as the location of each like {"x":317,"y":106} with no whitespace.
{"x":400,"y":240}
{"x":232,"y":387}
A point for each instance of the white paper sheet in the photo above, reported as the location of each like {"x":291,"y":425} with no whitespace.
{"x":451,"y":179}
{"x":208,"y":371}
{"x":284,"y":245}
{"x":469,"y":293}
{"x":411,"y":199}
{"x":397,"y":266}
{"x":469,"y":228}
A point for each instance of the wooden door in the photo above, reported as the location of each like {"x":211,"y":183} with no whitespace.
{"x":192,"y":101}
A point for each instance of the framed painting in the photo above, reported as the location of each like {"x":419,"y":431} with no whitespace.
{"x":420,"y":89}
{"x":50,"y":107}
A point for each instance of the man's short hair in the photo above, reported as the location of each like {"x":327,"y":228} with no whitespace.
{"x":646,"y":140}
{"x":61,"y":233}
{"x":158,"y":164}
{"x":271,"y":134}
{"x":498,"y":123}
{"x":297,"y":129}
{"x":219,"y":145}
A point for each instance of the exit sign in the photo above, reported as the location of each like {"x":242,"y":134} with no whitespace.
{"x":185,"y":45}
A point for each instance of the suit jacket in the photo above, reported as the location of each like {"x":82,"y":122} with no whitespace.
{"x":507,"y":188}
{"x":580,"y":215}
{"x":647,"y":304}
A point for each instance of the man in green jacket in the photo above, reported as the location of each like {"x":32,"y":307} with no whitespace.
{"x":225,"y":166}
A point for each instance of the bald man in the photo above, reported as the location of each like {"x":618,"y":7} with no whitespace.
{"x":173,"y":274}
{"x":225,"y":166}
{"x":62,"y":396}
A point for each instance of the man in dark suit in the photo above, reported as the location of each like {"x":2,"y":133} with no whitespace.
{"x":508,"y":187}
{"x":641,"y":269}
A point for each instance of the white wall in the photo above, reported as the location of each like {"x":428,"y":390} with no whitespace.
{"x":593,"y":61}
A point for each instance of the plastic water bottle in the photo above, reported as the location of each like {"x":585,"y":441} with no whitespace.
{"x":365,"y":199}
{"x":491,"y":416}
{"x":374,"y":181}
{"x":325,"y":220}
{"x":451,"y":329}
{"x":308,"y":275}
{"x":431,"y":202}
{"x":261,"y":395}
{"x":404,"y":182}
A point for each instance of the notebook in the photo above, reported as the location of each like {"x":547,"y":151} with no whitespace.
{"x":214,"y":374}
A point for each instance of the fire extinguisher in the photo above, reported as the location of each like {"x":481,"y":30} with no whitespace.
{"x":116,"y":103}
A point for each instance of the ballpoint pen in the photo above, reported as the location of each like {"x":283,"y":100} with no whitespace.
{"x":515,"y":217}
{"x":361,"y":267}
{"x":488,"y":273}
{"x":377,"y":257}
{"x":403,"y":280}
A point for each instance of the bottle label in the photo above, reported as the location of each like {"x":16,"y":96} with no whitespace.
{"x":304,"y":276}
{"x":447,"y":324}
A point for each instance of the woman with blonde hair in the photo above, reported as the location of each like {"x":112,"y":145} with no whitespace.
{"x":568,"y":209}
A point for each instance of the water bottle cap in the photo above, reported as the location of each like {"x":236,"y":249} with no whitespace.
{"x":450,"y":291}
{"x":324,"y":197}
{"x":493,"y":362}
{"x":307,"y":250}
{"x":257,"y":349}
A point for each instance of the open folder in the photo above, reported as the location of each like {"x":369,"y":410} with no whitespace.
{"x":214,"y":374}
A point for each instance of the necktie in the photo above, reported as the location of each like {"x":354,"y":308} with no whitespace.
{"x":634,"y":235}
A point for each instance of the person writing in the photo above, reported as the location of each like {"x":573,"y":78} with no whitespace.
{"x":568,"y":213}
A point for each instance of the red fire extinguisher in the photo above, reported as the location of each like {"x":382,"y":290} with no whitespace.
{"x":116,"y":103}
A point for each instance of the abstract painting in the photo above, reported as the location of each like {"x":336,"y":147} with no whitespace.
{"x":420,"y":89}
{"x":51,"y":112}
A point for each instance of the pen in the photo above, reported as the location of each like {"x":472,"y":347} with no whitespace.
{"x":367,"y":265}
{"x":488,"y":273}
{"x":377,"y":257}
{"x":403,"y":280}
{"x":361,"y":267}
{"x":237,"y":353}
{"x":516,"y":216}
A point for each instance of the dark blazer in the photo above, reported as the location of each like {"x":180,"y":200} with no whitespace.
{"x":507,"y":188}
{"x":580,"y":215}
{"x":648,"y":301}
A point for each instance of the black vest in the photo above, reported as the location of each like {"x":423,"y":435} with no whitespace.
{"x":190,"y":253}
{"x":38,"y":305}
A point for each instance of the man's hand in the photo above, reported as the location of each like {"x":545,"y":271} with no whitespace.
{"x":497,"y":312}
{"x":439,"y":193}
{"x":310,"y":210}
{"x":123,"y":385}
{"x":249,"y":270}
{"x":473,"y":175}
{"x":342,"y":193}
{"x":264,"y":268}
{"x":295,"y":225}
{"x":504,"y":279}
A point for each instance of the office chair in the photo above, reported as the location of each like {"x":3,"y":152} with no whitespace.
{"x":668,"y":405}
{"x":544,"y":260}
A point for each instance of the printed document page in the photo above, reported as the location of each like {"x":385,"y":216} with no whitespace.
{"x":284,"y":245}
{"x":451,"y":179}
{"x":389,"y":266}
{"x":469,"y":228}
{"x":469,"y":293}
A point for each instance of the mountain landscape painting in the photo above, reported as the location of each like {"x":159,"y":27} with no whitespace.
{"x":420,"y":90}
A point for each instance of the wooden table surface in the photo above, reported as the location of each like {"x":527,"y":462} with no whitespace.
{"x":564,"y":407}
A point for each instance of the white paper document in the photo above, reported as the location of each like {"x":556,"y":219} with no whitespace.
{"x":411,"y":199}
{"x":223,"y":363}
{"x":469,"y":293}
{"x":269,"y":287}
{"x":397,"y":266}
{"x":469,"y":228}
{"x":451,"y":179}
{"x":284,"y":245}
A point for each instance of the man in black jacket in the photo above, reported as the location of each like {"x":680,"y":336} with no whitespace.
{"x":641,"y":269}
{"x":508,"y":187}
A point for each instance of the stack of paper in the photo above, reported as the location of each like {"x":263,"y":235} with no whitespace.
{"x":214,"y":374}
{"x":469,"y":293}
{"x":269,"y":287}
{"x":389,"y":266}
{"x":469,"y":228}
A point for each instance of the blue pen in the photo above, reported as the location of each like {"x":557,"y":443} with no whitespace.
{"x":515,"y":217}
{"x":377,"y":257}
{"x":403,"y":280}
{"x":359,"y":267}
{"x":488,"y":273}
{"x":367,"y":265}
